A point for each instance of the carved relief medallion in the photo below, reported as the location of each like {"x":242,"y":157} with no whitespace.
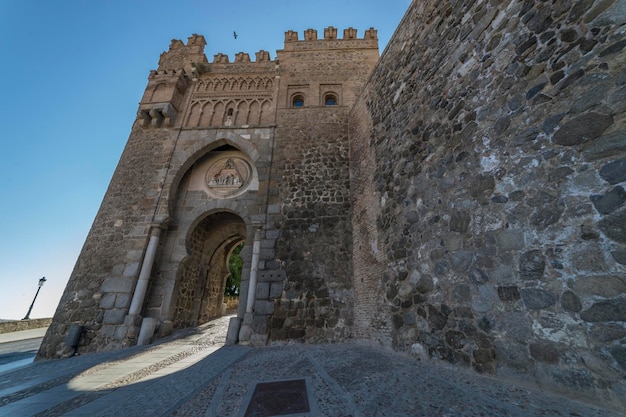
{"x":228,"y":176}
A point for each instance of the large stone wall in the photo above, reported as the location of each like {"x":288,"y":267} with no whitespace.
{"x":488,"y":161}
{"x":99,"y":290}
{"x":311,"y":183}
{"x":315,"y":238}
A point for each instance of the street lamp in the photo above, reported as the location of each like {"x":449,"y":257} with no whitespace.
{"x":40,"y":284}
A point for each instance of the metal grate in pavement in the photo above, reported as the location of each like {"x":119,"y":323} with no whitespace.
{"x":286,"y":398}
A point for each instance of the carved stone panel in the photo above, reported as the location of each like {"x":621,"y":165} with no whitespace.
{"x":228,"y":176}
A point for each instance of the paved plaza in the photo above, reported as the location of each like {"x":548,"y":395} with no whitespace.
{"x":192,"y":373}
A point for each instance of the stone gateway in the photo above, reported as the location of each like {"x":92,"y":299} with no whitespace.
{"x":460,"y":197}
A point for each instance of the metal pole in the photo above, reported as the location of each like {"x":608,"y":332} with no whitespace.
{"x":41,"y":281}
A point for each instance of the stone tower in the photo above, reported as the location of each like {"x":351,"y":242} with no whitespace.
{"x":224,"y":153}
{"x":461,"y":199}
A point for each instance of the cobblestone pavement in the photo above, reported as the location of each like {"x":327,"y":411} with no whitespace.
{"x":193,"y":374}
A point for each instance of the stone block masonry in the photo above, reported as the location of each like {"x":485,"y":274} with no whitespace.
{"x":487,"y":169}
{"x":224,"y":153}
{"x":461,"y":198}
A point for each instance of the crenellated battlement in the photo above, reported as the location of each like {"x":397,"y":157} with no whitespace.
{"x":242,"y":64}
{"x":167,"y":72}
{"x":180,"y":56}
{"x":190,"y":57}
{"x":330,"y":33}
{"x":330,"y":40}
{"x":242,"y":57}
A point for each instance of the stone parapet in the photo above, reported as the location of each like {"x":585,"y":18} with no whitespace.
{"x":19,"y":325}
{"x":330,"y":40}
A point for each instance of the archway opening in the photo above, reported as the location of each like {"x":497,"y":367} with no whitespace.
{"x":232,"y":289}
{"x":203,"y":275}
{"x":235,"y":268}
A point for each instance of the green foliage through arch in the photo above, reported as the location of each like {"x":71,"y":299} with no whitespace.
{"x":235,"y":265}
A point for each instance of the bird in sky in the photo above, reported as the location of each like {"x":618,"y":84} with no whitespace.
{"x":235,"y":35}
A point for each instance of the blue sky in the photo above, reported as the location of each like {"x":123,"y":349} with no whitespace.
{"x":71,"y":75}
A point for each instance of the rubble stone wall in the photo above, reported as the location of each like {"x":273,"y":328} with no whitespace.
{"x":311,"y":184}
{"x":489,"y":150}
{"x":315,"y":241}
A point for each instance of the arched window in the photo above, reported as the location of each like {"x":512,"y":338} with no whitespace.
{"x":298,"y":100}
{"x":228,"y":121}
{"x":330,"y":100}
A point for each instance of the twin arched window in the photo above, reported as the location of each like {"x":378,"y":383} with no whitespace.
{"x":330,"y":99}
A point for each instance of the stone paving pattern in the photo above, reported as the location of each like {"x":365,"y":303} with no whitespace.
{"x":193,"y":374}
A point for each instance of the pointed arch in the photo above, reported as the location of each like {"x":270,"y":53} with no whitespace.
{"x":213,"y":206}
{"x":205,"y":117}
{"x":241,"y":116}
{"x":193,"y":154}
{"x":201,"y":276}
{"x":228,"y":118}
{"x":195,"y":114}
{"x":201,"y":85}
{"x":217,"y":114}
{"x":266,"y":112}
{"x":157,"y":92}
{"x":254,"y":113}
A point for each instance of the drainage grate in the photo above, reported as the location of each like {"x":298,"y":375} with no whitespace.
{"x":280,"y":398}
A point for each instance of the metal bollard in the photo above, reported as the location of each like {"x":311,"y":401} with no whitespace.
{"x":73,"y":337}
